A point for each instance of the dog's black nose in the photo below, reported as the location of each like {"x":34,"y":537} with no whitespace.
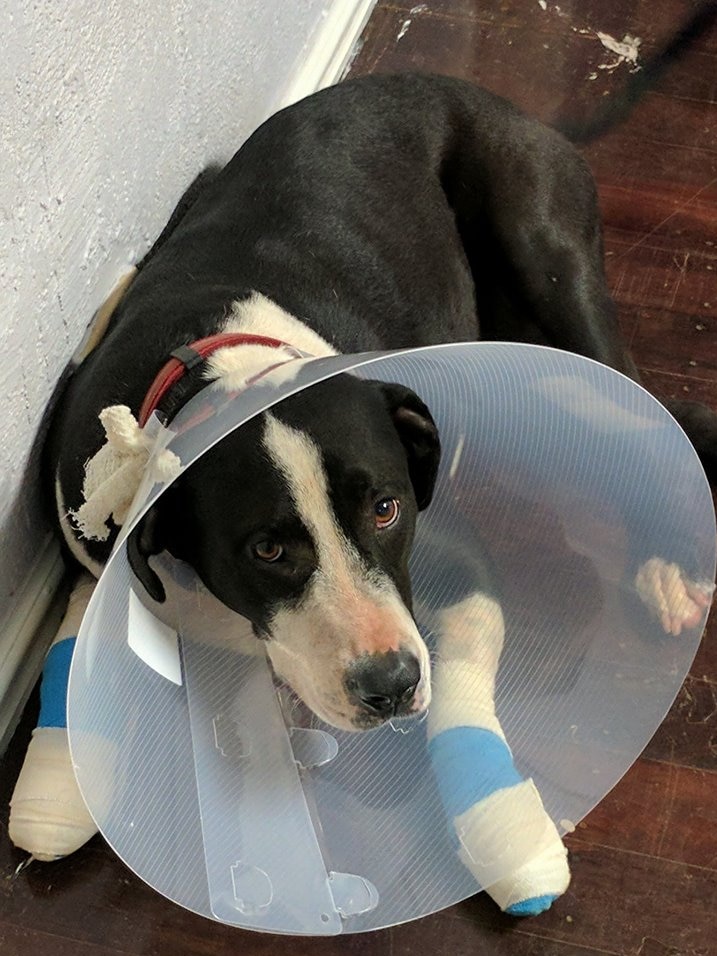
{"x":383,"y":684}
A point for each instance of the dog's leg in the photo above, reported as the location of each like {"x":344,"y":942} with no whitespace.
{"x":48,"y":816}
{"x":672,"y":597}
{"x":498,"y":817}
{"x":546,"y":236}
{"x":540,"y":259}
{"x":554,"y":253}
{"x":700,"y":425}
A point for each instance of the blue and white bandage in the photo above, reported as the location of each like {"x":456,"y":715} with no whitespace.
{"x":499,"y":820}
{"x":53,"y":689}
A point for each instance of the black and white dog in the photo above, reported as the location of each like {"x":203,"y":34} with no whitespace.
{"x":383,"y":213}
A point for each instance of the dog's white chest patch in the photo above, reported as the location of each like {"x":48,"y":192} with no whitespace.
{"x":234,"y":367}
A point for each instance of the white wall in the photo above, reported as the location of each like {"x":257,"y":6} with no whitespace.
{"x":107,"y":111}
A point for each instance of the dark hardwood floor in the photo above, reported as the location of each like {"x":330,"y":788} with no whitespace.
{"x":645,"y":861}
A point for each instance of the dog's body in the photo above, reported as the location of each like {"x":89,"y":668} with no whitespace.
{"x":384,"y":213}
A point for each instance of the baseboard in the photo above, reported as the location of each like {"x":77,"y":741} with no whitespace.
{"x":27,"y":633}
{"x":330,"y":49}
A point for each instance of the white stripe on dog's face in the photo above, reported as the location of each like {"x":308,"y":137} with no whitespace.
{"x":347,"y":610}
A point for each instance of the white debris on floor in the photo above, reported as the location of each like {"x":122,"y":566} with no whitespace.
{"x":626,"y":50}
{"x":404,"y":30}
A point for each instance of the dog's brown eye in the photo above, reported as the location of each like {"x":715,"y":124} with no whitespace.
{"x":386,"y":511}
{"x":268,"y":551}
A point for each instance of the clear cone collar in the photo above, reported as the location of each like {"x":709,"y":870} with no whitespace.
{"x":221,"y":791}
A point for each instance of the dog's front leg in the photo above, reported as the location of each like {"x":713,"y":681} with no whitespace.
{"x":48,"y":816}
{"x":507,"y":840}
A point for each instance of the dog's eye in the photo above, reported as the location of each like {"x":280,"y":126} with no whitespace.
{"x":386,"y":512}
{"x":268,"y":551}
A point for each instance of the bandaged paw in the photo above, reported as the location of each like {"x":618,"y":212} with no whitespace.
{"x":48,"y":816}
{"x":676,"y":601}
{"x":506,"y":838}
{"x":114,"y":473}
{"x":503,"y":833}
{"x":534,"y":886}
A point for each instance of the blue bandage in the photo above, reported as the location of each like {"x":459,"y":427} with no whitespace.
{"x":470,"y":764}
{"x":534,"y":906}
{"x":53,"y":689}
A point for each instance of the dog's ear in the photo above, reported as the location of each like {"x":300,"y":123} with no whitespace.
{"x":143,"y":541}
{"x":419,"y":436}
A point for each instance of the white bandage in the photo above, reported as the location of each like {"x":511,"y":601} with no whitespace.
{"x":507,"y":840}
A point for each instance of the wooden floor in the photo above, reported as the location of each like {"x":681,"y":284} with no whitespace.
{"x":645,"y":862}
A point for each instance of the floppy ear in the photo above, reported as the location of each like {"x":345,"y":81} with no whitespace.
{"x":145,"y":540}
{"x":419,"y":436}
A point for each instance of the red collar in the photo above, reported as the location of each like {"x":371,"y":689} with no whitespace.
{"x":188,"y":356}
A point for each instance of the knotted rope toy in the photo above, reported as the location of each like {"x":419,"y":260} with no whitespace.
{"x":114,"y":473}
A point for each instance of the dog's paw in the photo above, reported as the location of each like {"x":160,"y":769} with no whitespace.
{"x":671,"y":596}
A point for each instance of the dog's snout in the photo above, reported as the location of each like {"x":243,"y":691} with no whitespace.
{"x":384,"y":685}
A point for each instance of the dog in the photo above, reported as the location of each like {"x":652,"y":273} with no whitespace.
{"x":384,"y":213}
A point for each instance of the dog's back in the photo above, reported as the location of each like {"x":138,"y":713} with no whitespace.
{"x":387,"y":212}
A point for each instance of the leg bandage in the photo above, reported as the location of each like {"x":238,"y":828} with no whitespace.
{"x":505,"y":837}
{"x":48,"y":817}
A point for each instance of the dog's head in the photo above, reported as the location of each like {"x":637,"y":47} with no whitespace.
{"x":302,"y":521}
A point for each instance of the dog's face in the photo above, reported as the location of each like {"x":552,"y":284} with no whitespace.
{"x":302,"y":521}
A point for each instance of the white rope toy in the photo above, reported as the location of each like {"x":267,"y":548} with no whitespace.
{"x":113,"y":475}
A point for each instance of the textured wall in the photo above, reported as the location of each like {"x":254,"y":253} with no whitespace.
{"x":107,"y":111}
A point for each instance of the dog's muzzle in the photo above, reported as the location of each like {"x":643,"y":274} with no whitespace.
{"x":383,"y":685}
